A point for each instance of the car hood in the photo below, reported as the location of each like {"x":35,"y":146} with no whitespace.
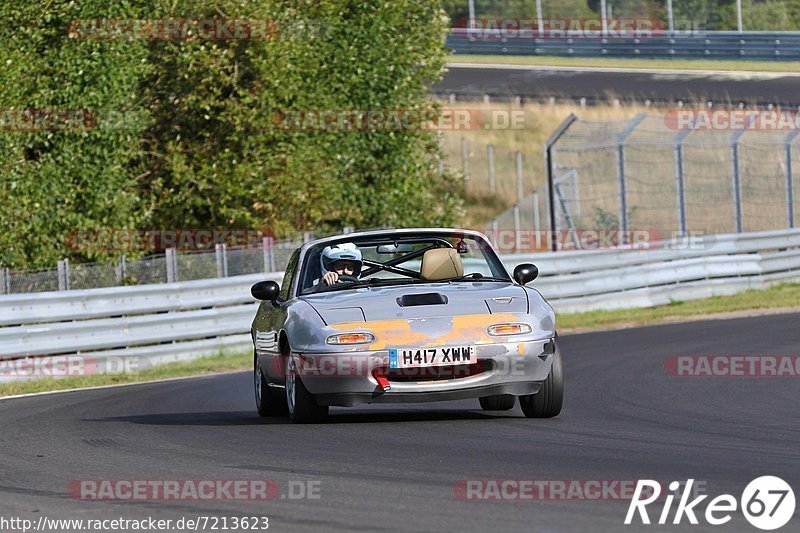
{"x":369,"y":304}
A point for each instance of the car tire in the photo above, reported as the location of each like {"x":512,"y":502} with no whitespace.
{"x":548,"y":401}
{"x":301,"y":404}
{"x":268,"y":402}
{"x":498,"y":402}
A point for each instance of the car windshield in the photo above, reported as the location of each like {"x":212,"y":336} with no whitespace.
{"x":402,"y":259}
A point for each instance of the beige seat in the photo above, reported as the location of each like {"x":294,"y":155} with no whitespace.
{"x":441,"y":263}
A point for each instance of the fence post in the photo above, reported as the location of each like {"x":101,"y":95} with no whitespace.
{"x":170,"y":260}
{"x":269,"y":256}
{"x":439,"y":153}
{"x":622,"y":182}
{"x":221,"y":255}
{"x":495,"y":234}
{"x":490,"y":160}
{"x":465,"y":161}
{"x":789,"y":178}
{"x":517,"y":229}
{"x":63,"y":275}
{"x":520,"y":192}
{"x":680,"y":181}
{"x":5,"y":281}
{"x":537,"y":225}
{"x":549,"y":171}
{"x":122,"y":271}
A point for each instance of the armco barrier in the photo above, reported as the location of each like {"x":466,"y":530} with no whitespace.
{"x":181,"y":321}
{"x":775,"y":46}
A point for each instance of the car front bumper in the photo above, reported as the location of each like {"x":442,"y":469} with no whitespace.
{"x":347,"y":379}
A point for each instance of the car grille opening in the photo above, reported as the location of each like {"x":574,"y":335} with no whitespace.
{"x":435,"y":373}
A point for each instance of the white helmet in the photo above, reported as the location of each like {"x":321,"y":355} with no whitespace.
{"x":341,"y":252}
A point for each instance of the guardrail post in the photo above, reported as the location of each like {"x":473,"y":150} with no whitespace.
{"x":5,"y":281}
{"x":465,"y":161}
{"x":490,"y":161}
{"x":789,"y":179}
{"x":63,"y":275}
{"x":520,"y":191}
{"x":221,"y":252}
{"x":172,"y":274}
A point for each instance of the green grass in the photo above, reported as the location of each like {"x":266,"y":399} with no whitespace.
{"x":780,"y":296}
{"x":683,"y":64}
{"x":205,"y":365}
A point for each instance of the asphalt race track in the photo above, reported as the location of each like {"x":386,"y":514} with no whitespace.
{"x":393,"y":468}
{"x":601,"y":85}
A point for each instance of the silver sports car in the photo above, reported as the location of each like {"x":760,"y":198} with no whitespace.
{"x":411,"y":315}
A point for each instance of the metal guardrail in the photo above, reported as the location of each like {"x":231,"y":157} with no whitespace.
{"x":181,"y":321}
{"x":774,"y":46}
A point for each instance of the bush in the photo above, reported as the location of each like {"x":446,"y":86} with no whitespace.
{"x":201,"y":146}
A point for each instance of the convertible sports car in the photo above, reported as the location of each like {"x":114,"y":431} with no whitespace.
{"x":410,"y":315}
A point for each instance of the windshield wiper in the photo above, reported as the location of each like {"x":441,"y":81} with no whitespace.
{"x":371,"y":282}
{"x":476,"y":276}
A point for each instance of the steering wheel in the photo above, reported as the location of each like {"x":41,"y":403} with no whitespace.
{"x":348,"y":278}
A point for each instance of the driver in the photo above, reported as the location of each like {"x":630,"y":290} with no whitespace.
{"x":338,"y":260}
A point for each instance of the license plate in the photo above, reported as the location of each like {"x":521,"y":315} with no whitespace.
{"x":417,"y":357}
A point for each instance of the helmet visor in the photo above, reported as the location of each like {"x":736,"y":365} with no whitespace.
{"x":345,"y":266}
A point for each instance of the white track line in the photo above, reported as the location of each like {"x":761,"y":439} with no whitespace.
{"x":99,"y":387}
{"x":743,"y":74}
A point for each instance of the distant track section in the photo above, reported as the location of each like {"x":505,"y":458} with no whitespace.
{"x":606,"y":85}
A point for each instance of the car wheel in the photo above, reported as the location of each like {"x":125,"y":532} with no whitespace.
{"x":548,"y":401}
{"x":268,"y":402}
{"x":498,"y":402}
{"x":302,"y":405}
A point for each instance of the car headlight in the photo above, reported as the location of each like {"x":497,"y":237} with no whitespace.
{"x":351,"y":338}
{"x":503,"y":330}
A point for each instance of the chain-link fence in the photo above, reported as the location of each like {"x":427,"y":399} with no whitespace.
{"x":662,"y":176}
{"x":223,"y":261}
{"x":658,"y":173}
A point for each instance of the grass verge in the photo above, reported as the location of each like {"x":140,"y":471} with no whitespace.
{"x":683,"y":64}
{"x":222,"y":362}
{"x":785,"y":296}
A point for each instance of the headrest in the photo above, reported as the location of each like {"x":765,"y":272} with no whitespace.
{"x":441,"y":263}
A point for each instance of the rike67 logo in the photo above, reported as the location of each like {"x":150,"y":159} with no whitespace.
{"x":767,"y":502}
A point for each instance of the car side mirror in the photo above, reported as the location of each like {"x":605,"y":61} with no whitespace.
{"x":265,"y":290}
{"x":525,"y":273}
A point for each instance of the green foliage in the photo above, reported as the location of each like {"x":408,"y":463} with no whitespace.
{"x":200,"y":146}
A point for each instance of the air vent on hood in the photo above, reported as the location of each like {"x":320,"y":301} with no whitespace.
{"x":428,"y":298}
